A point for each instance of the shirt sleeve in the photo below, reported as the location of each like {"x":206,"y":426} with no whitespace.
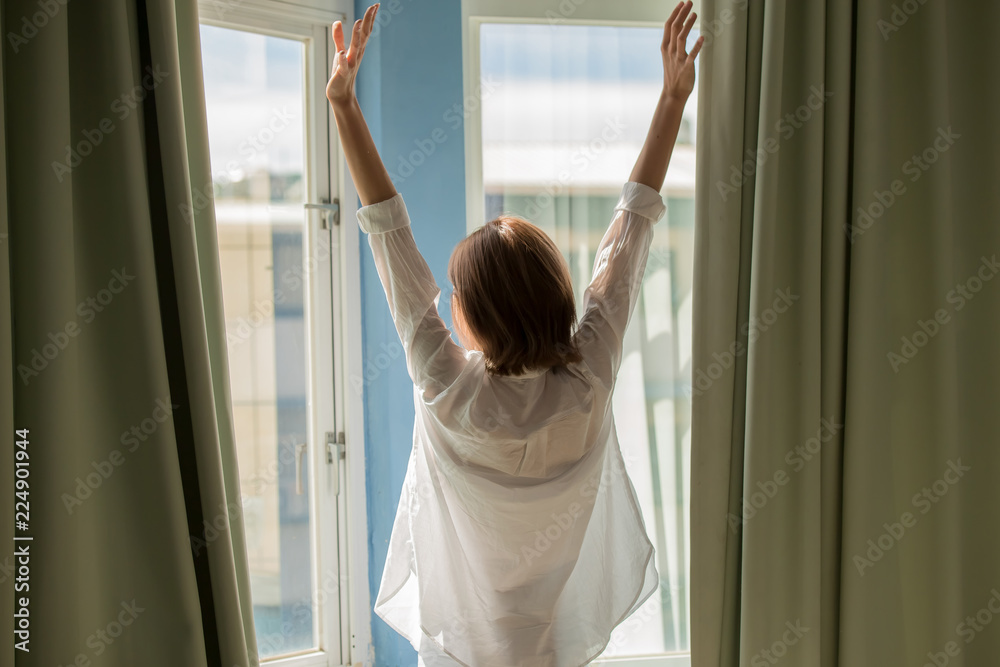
{"x":614,"y":288}
{"x":432,"y":357}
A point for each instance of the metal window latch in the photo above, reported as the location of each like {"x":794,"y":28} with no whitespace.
{"x":336,"y":449}
{"x":300,"y":452}
{"x":336,"y":443}
{"x":331,"y":211}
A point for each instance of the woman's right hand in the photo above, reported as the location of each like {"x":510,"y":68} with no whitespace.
{"x":678,"y":65}
{"x":345,"y":63}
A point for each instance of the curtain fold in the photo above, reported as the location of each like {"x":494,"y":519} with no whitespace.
{"x":120,"y":368}
{"x":845,"y":320}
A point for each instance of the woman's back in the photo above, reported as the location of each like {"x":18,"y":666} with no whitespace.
{"x":513,"y":544}
{"x":518,"y":538}
{"x":531,"y":426}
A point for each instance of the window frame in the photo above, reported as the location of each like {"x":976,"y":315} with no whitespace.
{"x":638,"y":13}
{"x":343,"y":636}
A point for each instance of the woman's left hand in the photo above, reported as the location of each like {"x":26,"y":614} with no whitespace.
{"x":340,"y":88}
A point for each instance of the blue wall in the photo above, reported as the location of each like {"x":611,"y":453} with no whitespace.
{"x":408,"y":86}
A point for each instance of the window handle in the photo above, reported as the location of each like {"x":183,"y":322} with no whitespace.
{"x":300,"y":452}
{"x":331,"y":211}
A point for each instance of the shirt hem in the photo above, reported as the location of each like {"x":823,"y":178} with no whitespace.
{"x":637,"y":601}
{"x":423,"y":631}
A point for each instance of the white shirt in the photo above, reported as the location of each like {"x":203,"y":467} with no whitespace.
{"x":518,"y":538}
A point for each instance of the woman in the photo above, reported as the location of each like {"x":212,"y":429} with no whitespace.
{"x":518,"y":539}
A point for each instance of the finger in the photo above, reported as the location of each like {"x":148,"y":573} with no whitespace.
{"x":695,"y":49}
{"x":338,"y":35}
{"x":678,"y":44}
{"x":669,"y":24}
{"x":673,"y":14}
{"x":675,"y":29}
{"x":366,"y":28}
{"x":352,"y":52}
{"x":682,"y":38}
{"x":369,"y":22}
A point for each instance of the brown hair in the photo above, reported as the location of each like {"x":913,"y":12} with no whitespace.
{"x":514,"y":296}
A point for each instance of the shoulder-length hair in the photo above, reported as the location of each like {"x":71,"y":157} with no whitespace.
{"x":514,"y":295}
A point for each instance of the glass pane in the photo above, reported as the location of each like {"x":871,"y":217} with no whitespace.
{"x":565,"y":111}
{"x":254,"y":85}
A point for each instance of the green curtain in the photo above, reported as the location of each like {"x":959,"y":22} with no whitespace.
{"x":6,"y":380}
{"x":845,"y":367}
{"x":119,"y":368}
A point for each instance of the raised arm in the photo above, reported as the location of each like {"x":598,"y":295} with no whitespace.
{"x":369,"y":174}
{"x":432,"y":358}
{"x":621,"y":256}
{"x":678,"y":82}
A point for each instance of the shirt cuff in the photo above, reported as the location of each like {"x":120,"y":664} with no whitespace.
{"x":641,"y":200}
{"x":383,"y":216}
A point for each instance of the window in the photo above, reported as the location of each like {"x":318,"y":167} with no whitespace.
{"x":564,"y":94}
{"x":275,"y":199}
